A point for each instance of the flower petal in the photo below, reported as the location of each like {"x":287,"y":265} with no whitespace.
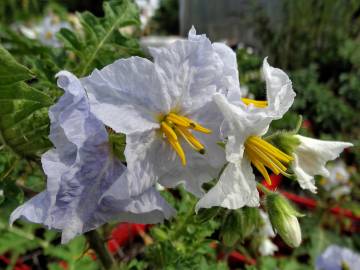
{"x":230,"y":85}
{"x":75,"y":186}
{"x":310,"y":159}
{"x":280,"y":95}
{"x":241,"y":124}
{"x":236,"y":188}
{"x":192,"y":70}
{"x":127,"y":95}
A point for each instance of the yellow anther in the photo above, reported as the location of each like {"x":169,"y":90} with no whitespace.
{"x":271,"y":149}
{"x":256,"y":103}
{"x":168,"y":131}
{"x":178,"y":149}
{"x":262,"y":154}
{"x":178,"y":120}
{"x":200,"y":128}
{"x":186,"y":122}
{"x":173,"y":126}
{"x":190,"y":138}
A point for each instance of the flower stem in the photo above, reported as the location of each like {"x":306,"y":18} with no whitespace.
{"x":97,"y":244}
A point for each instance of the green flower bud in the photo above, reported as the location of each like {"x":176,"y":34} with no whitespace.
{"x":283,"y":218}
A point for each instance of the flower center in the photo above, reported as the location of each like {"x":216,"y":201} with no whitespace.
{"x":174,"y":126}
{"x":256,"y":103}
{"x":48,"y":35}
{"x":263,"y":154}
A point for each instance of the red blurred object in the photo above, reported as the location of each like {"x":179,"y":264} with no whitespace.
{"x":236,"y":257}
{"x":123,"y":234}
{"x":275,"y":182}
{"x":63,"y":265}
{"x":18,"y":266}
{"x":306,"y":124}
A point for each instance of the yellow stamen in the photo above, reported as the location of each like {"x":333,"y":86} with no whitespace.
{"x":194,"y":143}
{"x":174,"y":125}
{"x":200,"y":128}
{"x":256,"y":103}
{"x":271,"y":149}
{"x":264,"y":155}
{"x":178,"y":120}
{"x":186,"y":122}
{"x":168,"y":131}
{"x":178,"y":149}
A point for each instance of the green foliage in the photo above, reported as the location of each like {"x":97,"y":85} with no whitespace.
{"x":23,"y":110}
{"x":306,"y":32}
{"x":239,"y":225}
{"x":101,"y":40}
{"x":184,"y":243}
{"x":166,"y":18}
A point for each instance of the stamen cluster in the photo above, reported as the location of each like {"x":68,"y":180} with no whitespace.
{"x":174,"y":126}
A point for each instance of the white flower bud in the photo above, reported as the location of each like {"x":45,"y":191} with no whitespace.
{"x":284,"y":220}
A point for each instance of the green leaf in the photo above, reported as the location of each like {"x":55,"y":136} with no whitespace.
{"x":10,"y":70}
{"x":24,"y":121}
{"x":101,"y":41}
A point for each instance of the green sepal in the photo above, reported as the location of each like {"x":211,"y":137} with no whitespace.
{"x":239,"y":224}
{"x":117,"y":143}
{"x":285,"y":141}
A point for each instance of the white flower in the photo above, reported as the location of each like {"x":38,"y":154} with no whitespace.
{"x":166,"y":110}
{"x":338,"y":181}
{"x":338,"y":174}
{"x":310,"y":158}
{"x":245,"y":122}
{"x":267,"y":247}
{"x":46,"y":31}
{"x":147,"y":10}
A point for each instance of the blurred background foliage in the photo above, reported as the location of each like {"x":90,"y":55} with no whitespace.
{"x":317,"y":43}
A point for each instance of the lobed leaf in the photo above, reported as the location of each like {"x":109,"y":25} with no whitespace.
{"x":23,"y":110}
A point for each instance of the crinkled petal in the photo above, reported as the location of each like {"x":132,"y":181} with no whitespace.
{"x":236,"y":188}
{"x":311,"y":156}
{"x":127,"y":95}
{"x":146,"y":208}
{"x":279,"y":91}
{"x":241,"y":124}
{"x":305,"y":180}
{"x":72,"y":202}
{"x":230,"y":86}
{"x":192,"y":70}
{"x":335,"y":256}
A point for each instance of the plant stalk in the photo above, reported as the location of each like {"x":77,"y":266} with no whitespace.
{"x":97,"y":244}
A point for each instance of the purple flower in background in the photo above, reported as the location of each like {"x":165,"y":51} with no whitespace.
{"x":80,"y":169}
{"x":338,"y":258}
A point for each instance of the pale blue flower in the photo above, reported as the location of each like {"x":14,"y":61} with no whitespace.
{"x":46,"y":31}
{"x":80,"y":169}
{"x":136,"y":97}
{"x":338,"y":258}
